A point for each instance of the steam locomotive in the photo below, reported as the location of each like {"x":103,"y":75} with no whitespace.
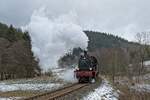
{"x":87,"y":70}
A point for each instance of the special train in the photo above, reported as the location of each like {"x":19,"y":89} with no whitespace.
{"x":87,"y":70}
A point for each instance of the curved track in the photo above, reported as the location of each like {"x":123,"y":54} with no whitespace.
{"x":60,"y":93}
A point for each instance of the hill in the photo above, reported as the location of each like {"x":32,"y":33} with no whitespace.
{"x":16,"y":57}
{"x":104,"y":40}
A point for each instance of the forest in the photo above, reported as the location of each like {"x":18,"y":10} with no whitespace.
{"x":16,"y":57}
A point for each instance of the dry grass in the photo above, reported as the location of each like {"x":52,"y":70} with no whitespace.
{"x":127,"y":94}
{"x":19,"y":93}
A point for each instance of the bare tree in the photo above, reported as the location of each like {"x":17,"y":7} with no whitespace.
{"x":143,"y":39}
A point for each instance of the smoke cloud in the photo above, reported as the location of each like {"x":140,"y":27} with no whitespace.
{"x":53,"y":37}
{"x":68,"y":75}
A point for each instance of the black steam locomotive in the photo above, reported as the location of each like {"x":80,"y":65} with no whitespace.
{"x":87,"y":70}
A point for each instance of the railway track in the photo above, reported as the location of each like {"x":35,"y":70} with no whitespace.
{"x":60,"y":93}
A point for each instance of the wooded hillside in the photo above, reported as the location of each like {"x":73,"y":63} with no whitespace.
{"x":105,"y":40}
{"x":16,"y":57}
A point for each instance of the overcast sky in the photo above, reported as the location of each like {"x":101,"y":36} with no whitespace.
{"x":120,"y":17}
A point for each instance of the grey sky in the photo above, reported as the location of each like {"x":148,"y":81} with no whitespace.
{"x":121,"y":17}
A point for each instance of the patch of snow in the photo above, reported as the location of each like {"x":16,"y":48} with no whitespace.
{"x":10,"y":98}
{"x":141,"y":87}
{"x":42,"y":87}
{"x":146,"y":63}
{"x":146,"y":77}
{"x":5,"y":98}
{"x":104,"y":92}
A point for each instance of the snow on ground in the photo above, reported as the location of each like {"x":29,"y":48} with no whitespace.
{"x":29,"y":84}
{"x":10,"y":98}
{"x":104,"y":92}
{"x":5,"y":98}
{"x":67,"y":75}
{"x":146,"y":63}
{"x":141,"y":87}
{"x":24,"y":87}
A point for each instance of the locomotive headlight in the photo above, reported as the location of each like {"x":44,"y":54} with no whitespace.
{"x":90,"y":68}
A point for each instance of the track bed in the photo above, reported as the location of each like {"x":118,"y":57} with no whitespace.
{"x":60,"y":93}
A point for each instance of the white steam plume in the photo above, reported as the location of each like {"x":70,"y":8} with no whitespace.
{"x":53,"y":37}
